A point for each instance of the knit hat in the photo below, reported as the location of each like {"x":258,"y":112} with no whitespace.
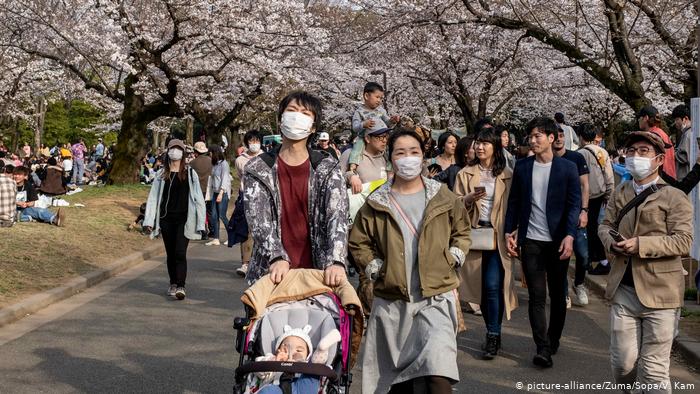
{"x":302,"y":333}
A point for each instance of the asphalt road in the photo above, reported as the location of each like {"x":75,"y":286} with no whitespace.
{"x":126,"y":336}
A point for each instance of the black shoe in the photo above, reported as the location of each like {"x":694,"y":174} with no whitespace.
{"x":543,"y":359}
{"x":600,"y":269}
{"x":554,"y":346}
{"x":493,"y":342}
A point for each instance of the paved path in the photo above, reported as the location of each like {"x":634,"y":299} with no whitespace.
{"x":125,"y":336}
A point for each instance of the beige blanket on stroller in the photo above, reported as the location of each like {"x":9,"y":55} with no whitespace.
{"x":299,"y":284}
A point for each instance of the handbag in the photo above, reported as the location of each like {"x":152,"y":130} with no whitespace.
{"x":483,"y":238}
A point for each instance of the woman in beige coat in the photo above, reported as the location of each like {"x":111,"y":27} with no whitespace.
{"x":487,"y":275}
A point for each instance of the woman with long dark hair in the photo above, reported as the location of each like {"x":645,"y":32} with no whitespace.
{"x":487,"y":275}
{"x":220,"y":192}
{"x":463,"y":154}
{"x":175,"y":209}
{"x":447,"y":144}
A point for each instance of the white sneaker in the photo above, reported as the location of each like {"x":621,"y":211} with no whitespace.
{"x":568,"y":302}
{"x":243,"y":270}
{"x":580,"y":295}
{"x":213,"y":242}
{"x":171,"y":290}
{"x":180,"y":293}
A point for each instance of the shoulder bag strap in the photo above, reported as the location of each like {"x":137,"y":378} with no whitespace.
{"x":595,"y":156}
{"x":636,"y":201}
{"x":403,"y":215}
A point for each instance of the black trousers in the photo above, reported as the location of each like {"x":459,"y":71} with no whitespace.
{"x":596,"y":251}
{"x":543,"y":268}
{"x":173,"y":232}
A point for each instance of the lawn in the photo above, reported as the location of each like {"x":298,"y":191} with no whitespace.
{"x":37,"y":256}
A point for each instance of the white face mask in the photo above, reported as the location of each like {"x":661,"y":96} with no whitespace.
{"x":254,"y":148}
{"x":175,"y":154}
{"x":296,"y":126}
{"x":639,"y":167}
{"x":409,"y":167}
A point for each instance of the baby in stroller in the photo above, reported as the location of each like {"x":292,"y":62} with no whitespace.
{"x":298,"y":336}
{"x":294,"y":345}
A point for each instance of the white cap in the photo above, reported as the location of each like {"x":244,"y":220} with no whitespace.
{"x":323,"y":136}
{"x":302,"y":333}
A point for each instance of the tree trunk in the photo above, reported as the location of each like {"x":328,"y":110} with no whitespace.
{"x":40,"y":117}
{"x":189,"y":130}
{"x":132,"y":141}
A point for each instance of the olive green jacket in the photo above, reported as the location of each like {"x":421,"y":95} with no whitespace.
{"x":442,"y":246}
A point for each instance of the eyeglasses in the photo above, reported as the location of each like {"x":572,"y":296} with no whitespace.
{"x":642,"y":150}
{"x":382,"y":137}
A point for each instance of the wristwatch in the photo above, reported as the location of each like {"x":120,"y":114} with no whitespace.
{"x":584,"y":209}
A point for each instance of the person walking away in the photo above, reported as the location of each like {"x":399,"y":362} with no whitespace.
{"x":650,"y":120}
{"x":78,"y":150}
{"x":541,"y":224}
{"x":295,"y":201}
{"x":203,"y":166}
{"x":415,"y":276}
{"x":251,"y":141}
{"x":487,"y":274}
{"x":221,"y":193}
{"x":571,"y":140}
{"x":27,"y":198}
{"x":369,"y":116}
{"x":175,"y":209}
{"x":681,"y":120}
{"x":646,"y":230}
{"x":8,"y":200}
{"x":601,"y":182}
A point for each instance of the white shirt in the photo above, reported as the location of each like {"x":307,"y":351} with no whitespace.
{"x":486,"y":203}
{"x":570,"y":137}
{"x":640,"y":188}
{"x":538,"y":229}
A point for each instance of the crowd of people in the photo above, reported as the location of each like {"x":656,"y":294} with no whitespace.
{"x":433,"y":228}
{"x":25,"y":175}
{"x":440,"y":226}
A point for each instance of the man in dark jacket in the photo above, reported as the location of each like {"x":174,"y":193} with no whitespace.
{"x":542,"y":221}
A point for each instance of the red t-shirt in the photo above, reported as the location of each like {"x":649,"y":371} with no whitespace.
{"x":669,"y":165}
{"x":294,"y":193}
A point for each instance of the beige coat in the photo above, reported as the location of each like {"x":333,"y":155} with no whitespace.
{"x":663,"y":223}
{"x":470,"y":288}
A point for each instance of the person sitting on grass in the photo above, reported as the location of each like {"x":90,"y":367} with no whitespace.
{"x":26,"y":199}
{"x":53,"y":182}
{"x":8,"y":191}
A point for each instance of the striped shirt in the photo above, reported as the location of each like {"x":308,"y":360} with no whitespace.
{"x":8,"y":204}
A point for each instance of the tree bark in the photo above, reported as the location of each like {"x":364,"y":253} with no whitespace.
{"x":189,"y":130}
{"x":40,"y":117}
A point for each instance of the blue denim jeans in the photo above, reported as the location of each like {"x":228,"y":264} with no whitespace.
{"x":78,"y":171}
{"x":218,"y":211}
{"x":32,"y":213}
{"x":492,"y":303}
{"x":301,"y":385}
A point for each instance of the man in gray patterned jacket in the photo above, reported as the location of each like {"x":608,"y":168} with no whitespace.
{"x":295,"y":201}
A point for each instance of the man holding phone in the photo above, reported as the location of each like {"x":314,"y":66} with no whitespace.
{"x":652,"y":226}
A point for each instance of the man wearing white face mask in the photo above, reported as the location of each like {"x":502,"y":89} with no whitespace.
{"x":251,"y":141}
{"x":646,"y":230}
{"x":295,"y":201}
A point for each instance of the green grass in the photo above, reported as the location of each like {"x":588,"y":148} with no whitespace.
{"x":38,"y":256}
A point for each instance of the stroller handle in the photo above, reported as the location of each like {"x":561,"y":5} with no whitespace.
{"x":286,"y":366}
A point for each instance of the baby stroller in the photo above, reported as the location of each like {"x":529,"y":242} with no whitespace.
{"x":300,"y":299}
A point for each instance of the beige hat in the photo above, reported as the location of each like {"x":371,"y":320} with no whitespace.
{"x":200,"y":147}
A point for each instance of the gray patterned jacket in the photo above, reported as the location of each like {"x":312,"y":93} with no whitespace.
{"x":328,"y":212}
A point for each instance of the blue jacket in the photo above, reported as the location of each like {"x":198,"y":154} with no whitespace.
{"x":563,"y":199}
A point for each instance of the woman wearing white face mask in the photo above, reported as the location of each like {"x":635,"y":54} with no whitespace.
{"x":411,"y":237}
{"x":175,"y":209}
{"x":251,"y":141}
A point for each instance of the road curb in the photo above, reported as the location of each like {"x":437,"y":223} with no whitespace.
{"x":688,"y":347}
{"x":39,"y":301}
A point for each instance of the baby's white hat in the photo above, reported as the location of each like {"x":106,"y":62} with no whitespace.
{"x":302,"y":333}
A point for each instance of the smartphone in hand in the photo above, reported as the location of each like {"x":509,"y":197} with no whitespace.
{"x":480,"y":189}
{"x":616,"y":236}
